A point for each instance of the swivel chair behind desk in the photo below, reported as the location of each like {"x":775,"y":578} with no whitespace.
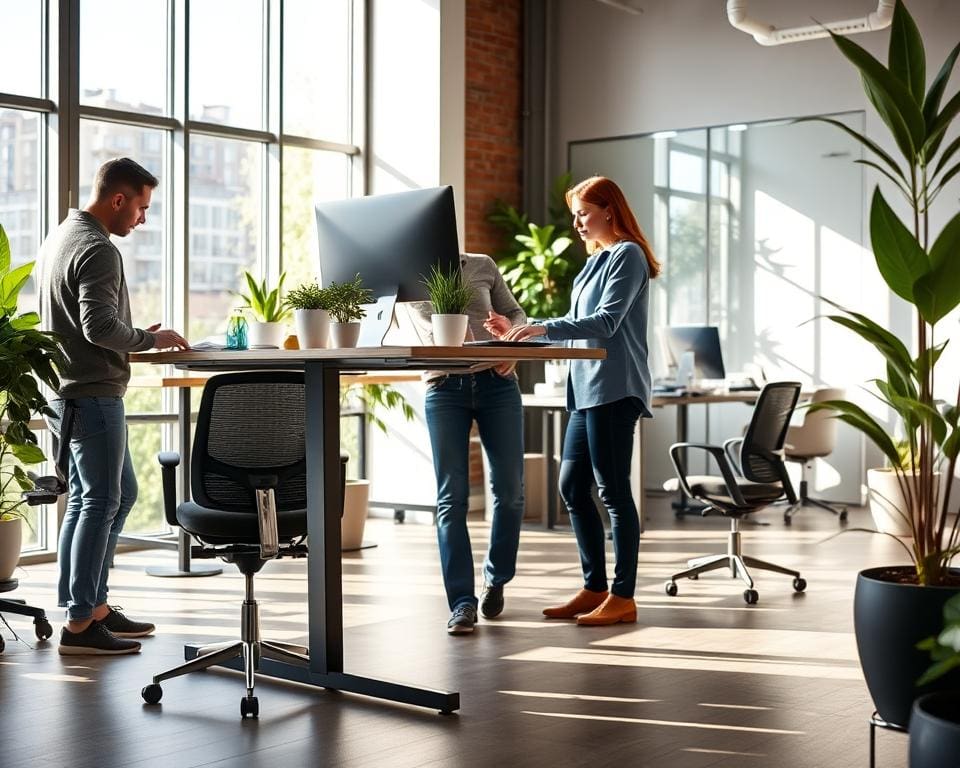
{"x":41,"y":625}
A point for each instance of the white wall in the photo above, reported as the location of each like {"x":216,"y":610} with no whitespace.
{"x":681,"y":65}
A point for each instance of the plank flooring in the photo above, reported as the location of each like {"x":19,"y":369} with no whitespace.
{"x":701,"y":680}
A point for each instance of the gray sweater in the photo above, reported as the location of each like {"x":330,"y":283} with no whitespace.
{"x":83,"y":298}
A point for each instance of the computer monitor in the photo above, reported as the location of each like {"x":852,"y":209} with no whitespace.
{"x":704,"y":342}
{"x":391,"y":241}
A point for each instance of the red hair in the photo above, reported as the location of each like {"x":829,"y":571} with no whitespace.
{"x":602,"y":192}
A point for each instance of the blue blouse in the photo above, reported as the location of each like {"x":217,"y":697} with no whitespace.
{"x":608,"y":310}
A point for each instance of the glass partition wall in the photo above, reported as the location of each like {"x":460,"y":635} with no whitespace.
{"x":244,"y":130}
{"x":754,"y":223}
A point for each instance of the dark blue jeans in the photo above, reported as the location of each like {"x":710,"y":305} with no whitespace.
{"x":103,"y":488}
{"x":597,"y":448}
{"x":452,"y":404}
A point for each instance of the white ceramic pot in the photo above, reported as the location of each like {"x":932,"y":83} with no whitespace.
{"x":313,"y":327}
{"x":355,"y":499}
{"x":449,"y":330}
{"x":887,"y":505}
{"x":266,"y":334}
{"x":344,"y":335}
{"x":11,"y":538}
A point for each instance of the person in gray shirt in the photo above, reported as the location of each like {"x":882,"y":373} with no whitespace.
{"x":84,"y":300}
{"x":490,"y":396}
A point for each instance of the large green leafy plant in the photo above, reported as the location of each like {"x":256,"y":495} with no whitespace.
{"x":28,"y":356}
{"x":921,"y":269}
{"x":537,"y":262}
{"x":267,"y":305}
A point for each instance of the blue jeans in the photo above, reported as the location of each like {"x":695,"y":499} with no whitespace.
{"x":102,"y":489}
{"x":597,"y":448}
{"x":452,"y":404}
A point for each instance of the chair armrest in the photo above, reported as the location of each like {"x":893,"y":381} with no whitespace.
{"x":169,"y":461}
{"x":729,"y":478}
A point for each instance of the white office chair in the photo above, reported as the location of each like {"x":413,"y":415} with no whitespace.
{"x":814,"y":438}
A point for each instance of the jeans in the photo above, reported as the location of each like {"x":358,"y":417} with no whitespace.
{"x":452,"y":404}
{"x":102,"y":489}
{"x":597,"y":447}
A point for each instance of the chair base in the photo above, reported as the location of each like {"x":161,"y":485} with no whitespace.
{"x":737,"y":562}
{"x":250,"y":648}
{"x":41,"y":625}
{"x":807,"y":501}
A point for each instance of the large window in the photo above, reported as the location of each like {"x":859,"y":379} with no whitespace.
{"x":193,"y":91}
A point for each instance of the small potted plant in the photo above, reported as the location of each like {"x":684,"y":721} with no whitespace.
{"x":935,"y":721}
{"x":311,"y":314}
{"x":269,"y":311}
{"x":346,"y":309}
{"x":450,"y":296}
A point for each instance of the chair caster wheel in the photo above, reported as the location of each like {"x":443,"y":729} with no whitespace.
{"x":2,"y":645}
{"x":249,"y":705}
{"x":843,"y":517}
{"x":693,"y":576}
{"x":42,"y":629}
{"x":750,"y":596}
{"x":787,"y":520}
{"x":670,"y":588}
{"x":152,"y":693}
{"x":799,"y":584}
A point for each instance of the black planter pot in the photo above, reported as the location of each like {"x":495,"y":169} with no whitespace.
{"x":935,"y":731}
{"x":889,"y":620}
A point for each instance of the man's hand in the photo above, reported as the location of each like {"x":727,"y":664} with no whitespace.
{"x":521,"y":332}
{"x":167,"y":339}
{"x":496,"y":324}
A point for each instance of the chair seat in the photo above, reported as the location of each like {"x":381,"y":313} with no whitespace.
{"x":712,"y":488}
{"x":218,"y":526}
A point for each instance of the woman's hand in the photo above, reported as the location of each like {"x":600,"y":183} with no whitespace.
{"x":496,"y":325}
{"x":506,"y":367}
{"x":521,"y":332}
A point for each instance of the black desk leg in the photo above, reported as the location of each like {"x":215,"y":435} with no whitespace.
{"x":324,"y":573}
{"x":184,"y":566}
{"x":549,"y":471}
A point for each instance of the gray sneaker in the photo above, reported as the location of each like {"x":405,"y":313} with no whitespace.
{"x":491,"y":601}
{"x":462,"y":620}
{"x":95,"y":640}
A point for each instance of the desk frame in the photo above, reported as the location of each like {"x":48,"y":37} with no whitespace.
{"x":322,"y":369}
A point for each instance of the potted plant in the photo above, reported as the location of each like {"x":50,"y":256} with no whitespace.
{"x":539,"y":265}
{"x":935,"y":720}
{"x":450,"y":296}
{"x":269,"y":311}
{"x":896,"y":606}
{"x":27,"y":356}
{"x":311,"y":314}
{"x":365,"y":399}
{"x":346,"y":309}
{"x":886,"y":498}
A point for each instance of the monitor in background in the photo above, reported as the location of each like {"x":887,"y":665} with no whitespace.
{"x":391,"y":241}
{"x":704,"y":342}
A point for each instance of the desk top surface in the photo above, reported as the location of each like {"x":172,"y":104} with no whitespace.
{"x":657,"y":401}
{"x":363,"y":357}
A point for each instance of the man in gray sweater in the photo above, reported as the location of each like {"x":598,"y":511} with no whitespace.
{"x":83,"y":298}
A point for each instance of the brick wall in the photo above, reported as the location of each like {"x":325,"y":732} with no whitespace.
{"x":494,"y":97}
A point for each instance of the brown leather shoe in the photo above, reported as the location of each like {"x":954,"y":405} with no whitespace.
{"x":583,"y":602}
{"x":611,"y":611}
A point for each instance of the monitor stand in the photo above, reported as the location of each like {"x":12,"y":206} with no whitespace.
{"x":376,"y":321}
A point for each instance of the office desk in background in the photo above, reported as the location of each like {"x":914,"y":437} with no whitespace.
{"x":552,"y":408}
{"x":322,"y":369}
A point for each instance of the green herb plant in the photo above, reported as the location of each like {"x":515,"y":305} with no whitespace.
{"x":449,"y":292}
{"x":309,"y":296}
{"x":347,"y":299}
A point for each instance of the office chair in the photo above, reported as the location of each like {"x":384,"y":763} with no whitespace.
{"x":814,"y":438}
{"x":764,"y":481}
{"x":248,"y":481}
{"x":41,"y":625}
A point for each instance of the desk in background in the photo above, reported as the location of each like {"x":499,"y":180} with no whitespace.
{"x":552,"y":408}
{"x":322,"y":369}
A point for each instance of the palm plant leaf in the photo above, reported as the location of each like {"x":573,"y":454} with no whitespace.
{"x":900,"y":258}
{"x":868,"y":143}
{"x":907,"y":58}
{"x":931,"y":104}
{"x":938,"y":292}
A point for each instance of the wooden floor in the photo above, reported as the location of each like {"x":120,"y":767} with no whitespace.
{"x":700,"y":680}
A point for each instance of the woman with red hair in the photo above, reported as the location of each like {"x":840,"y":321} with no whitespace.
{"x":608,"y":310}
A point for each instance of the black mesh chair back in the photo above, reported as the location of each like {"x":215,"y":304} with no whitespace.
{"x":250,"y":424}
{"x":761,"y":457}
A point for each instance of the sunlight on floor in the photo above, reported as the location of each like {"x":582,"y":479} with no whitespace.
{"x":669,"y":723}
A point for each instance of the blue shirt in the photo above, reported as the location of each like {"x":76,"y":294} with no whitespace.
{"x":608,"y":310}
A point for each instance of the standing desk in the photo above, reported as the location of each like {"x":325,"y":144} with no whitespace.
{"x":552,"y":408}
{"x":322,"y":369}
